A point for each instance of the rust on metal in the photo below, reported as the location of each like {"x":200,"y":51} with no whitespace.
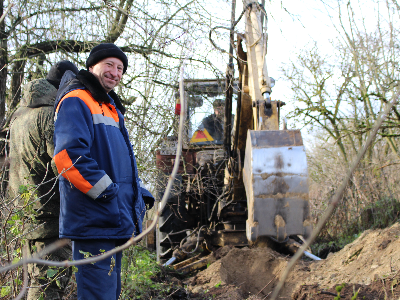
{"x":229,"y":237}
{"x":278,"y":161}
{"x":269,"y":117}
{"x":150,"y":237}
{"x":165,"y":163}
{"x":276,"y":138}
{"x":279,"y":221}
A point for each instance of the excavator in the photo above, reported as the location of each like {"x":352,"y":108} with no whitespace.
{"x":241,"y":178}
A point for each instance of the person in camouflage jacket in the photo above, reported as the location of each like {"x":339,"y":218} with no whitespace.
{"x":32,"y":174}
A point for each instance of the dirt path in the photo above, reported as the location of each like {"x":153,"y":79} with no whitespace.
{"x":369,"y":265}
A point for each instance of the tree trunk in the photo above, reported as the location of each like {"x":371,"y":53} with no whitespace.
{"x":16,"y":81}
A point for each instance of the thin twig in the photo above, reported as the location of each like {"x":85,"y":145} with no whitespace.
{"x":25,"y":267}
{"x":387,"y":165}
{"x":266,"y":285}
{"x":267,"y":295}
{"x":270,"y":282}
{"x":22,"y":235}
{"x":6,"y":12}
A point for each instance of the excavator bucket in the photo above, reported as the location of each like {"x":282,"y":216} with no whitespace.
{"x":275,"y":178}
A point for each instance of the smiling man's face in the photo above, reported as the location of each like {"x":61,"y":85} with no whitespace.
{"x":108,"y":71}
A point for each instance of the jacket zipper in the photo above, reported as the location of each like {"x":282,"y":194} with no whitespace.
{"x":101,"y":106}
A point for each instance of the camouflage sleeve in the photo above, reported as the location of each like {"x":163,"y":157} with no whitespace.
{"x":47,"y":140}
{"x":48,"y":137}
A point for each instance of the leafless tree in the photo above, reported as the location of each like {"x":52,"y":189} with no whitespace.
{"x":343,"y":92}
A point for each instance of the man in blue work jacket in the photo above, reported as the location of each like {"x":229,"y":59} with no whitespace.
{"x":102,"y":197}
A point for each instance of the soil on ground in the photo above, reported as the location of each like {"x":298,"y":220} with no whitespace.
{"x":368,"y":268}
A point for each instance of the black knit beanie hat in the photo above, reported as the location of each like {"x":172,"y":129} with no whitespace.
{"x":57,"y":71}
{"x":103,"y":51}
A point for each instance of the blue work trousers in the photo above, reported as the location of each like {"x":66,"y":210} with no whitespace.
{"x":100,"y":280}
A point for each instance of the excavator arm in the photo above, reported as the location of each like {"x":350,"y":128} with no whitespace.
{"x":275,"y":166}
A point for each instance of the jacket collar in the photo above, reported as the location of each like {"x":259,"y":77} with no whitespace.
{"x":85,"y":79}
{"x":96,"y":89}
{"x":93,"y":85}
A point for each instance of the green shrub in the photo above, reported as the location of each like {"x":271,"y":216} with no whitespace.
{"x":139,"y":266}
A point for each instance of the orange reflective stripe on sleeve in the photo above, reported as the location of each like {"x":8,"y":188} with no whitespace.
{"x":65,"y":166}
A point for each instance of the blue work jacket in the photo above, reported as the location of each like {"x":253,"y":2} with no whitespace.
{"x":101,"y":195}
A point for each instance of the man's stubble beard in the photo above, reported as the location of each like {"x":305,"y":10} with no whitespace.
{"x":106,"y":86}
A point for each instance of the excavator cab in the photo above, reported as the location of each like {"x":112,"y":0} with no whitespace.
{"x":207,"y":123}
{"x":206,"y":110}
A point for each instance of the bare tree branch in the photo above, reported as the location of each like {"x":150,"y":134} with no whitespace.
{"x":19,"y":20}
{"x":6,"y":12}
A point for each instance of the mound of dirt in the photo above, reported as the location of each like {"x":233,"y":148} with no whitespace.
{"x":369,"y":265}
{"x":247,"y":269}
{"x":252,"y":271}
